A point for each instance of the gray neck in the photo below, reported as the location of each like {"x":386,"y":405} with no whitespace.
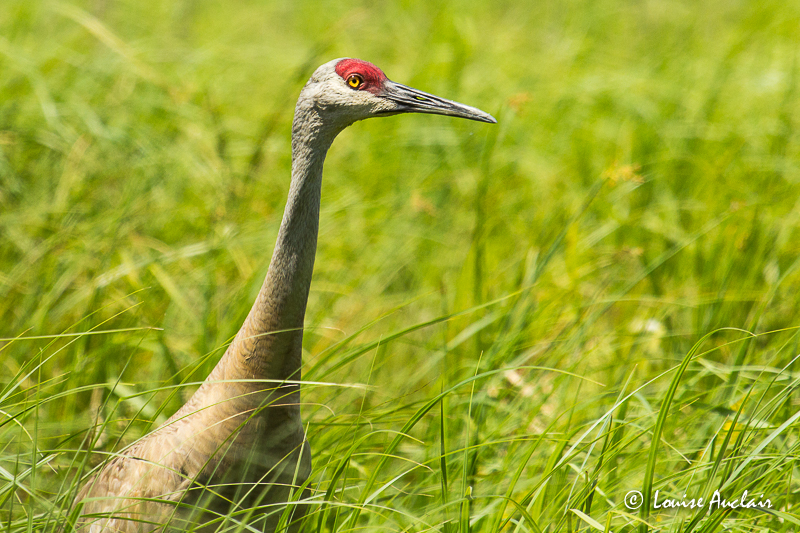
{"x":269,"y":345}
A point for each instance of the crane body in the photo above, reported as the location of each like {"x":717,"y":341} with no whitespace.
{"x":237,"y":451}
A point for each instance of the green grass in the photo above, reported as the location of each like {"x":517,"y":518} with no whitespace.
{"x":598,"y":295}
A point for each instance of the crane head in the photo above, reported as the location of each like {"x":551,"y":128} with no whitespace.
{"x":347,"y":90}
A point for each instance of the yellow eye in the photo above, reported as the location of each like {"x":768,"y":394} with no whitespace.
{"x":355,"y":81}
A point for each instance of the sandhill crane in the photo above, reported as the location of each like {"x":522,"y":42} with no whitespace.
{"x":238,"y":444}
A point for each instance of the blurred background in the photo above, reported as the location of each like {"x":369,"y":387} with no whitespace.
{"x":638,"y":193}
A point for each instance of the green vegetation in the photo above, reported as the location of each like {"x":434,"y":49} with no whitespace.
{"x":600,"y":294}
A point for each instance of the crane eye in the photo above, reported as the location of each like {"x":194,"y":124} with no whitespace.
{"x":355,"y":81}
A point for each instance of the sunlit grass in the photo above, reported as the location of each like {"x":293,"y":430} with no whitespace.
{"x":597,"y":295}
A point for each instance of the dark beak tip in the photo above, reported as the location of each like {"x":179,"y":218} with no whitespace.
{"x":484,"y":117}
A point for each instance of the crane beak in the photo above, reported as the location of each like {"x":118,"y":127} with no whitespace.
{"x":410,"y":100}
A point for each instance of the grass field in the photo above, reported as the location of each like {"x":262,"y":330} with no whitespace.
{"x":513,"y":326}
